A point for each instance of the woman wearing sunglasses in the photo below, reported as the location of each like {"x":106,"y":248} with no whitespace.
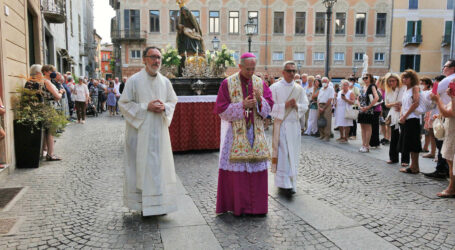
{"x":367,"y":99}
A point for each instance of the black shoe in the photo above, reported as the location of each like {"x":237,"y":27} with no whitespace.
{"x":437,"y":175}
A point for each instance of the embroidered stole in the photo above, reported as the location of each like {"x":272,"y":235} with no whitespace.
{"x":241,"y":150}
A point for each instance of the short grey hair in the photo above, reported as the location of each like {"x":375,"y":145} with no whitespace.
{"x":325,"y":78}
{"x":344,"y":81}
{"x":35,"y":69}
{"x":304,"y":75}
{"x":287,"y":63}
{"x":242,"y":60}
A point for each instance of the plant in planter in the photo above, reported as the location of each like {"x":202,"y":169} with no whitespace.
{"x":222,"y":60}
{"x":31,"y":115}
{"x":170,"y":61}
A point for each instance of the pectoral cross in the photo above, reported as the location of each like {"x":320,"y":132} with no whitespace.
{"x":247,"y":112}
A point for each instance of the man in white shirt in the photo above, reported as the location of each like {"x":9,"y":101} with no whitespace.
{"x":325,"y":97}
{"x":117,"y":93}
{"x":442,"y":169}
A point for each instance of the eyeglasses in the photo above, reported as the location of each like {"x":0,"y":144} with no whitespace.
{"x":446,"y":66}
{"x":365,"y":78}
{"x":154,"y":57}
{"x":290,"y":70}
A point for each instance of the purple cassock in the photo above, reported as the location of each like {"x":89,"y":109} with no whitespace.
{"x":242,"y":186}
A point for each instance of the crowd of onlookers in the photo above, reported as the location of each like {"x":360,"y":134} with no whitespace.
{"x":401,"y":108}
{"x":71,"y":95}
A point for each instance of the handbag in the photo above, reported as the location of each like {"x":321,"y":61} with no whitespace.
{"x":351,"y":112}
{"x":388,"y":120}
{"x":438,"y":128}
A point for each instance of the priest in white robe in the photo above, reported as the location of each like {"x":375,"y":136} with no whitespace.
{"x":291,"y":103}
{"x":147,"y":104}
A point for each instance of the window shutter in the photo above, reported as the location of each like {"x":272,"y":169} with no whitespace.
{"x":409,"y":30}
{"x":448,"y":30}
{"x":137,"y":24}
{"x":417,"y":63}
{"x":126,"y":23}
{"x":419,"y":27}
{"x":402,"y":63}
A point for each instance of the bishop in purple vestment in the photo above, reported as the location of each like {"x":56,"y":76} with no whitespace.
{"x":242,"y":186}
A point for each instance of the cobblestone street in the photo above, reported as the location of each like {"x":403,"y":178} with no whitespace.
{"x":344,"y":200}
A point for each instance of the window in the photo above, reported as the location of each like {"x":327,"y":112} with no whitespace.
{"x":173,"y":20}
{"x":299,"y":56}
{"x":135,"y":54}
{"x":278,"y":22}
{"x":379,"y":57}
{"x":233,"y":22}
{"x":320,"y":23}
{"x":410,"y":62}
{"x":360,"y":24}
{"x":413,"y":4}
{"x":105,"y":57}
{"x":71,"y":16}
{"x":450,"y":4}
{"x":380,"y":24}
{"x":154,"y":21}
{"x":413,"y":33}
{"x":236,"y":56}
{"x":318,"y":56}
{"x":300,"y":23}
{"x":339,"y":56}
{"x":196,"y":15}
{"x":340,"y":23}
{"x":253,"y":15}
{"x":358,"y":56}
{"x":214,"y":22}
{"x":132,"y":22}
{"x":448,"y":32}
{"x":79,"y":28}
{"x":277,"y":56}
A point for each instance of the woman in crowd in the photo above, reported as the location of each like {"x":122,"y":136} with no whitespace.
{"x":50,"y":95}
{"x":312,"y":127}
{"x":111,"y":98}
{"x":366,"y":114}
{"x":377,"y":110}
{"x":410,"y":132}
{"x":81,"y":96}
{"x":426,"y":85}
{"x":309,"y":93}
{"x":393,"y":96}
{"x":356,"y":91}
{"x":448,"y":148}
{"x":345,"y":98}
{"x":385,"y":128}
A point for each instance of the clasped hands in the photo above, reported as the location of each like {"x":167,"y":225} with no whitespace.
{"x":156,"y":106}
{"x":291,"y":103}
{"x":249,"y":102}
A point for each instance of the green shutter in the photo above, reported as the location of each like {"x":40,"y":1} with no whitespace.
{"x":448,"y":30}
{"x":419,"y":28}
{"x":402,"y":63}
{"x":417,"y":63}
{"x":126,"y":23}
{"x":410,"y":28}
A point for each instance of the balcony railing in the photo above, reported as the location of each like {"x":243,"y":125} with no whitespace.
{"x":446,"y":39}
{"x":53,"y":11}
{"x":128,"y":35}
{"x":412,"y":39}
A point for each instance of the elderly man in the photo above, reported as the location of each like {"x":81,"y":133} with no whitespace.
{"x":243,"y":102}
{"x":290,"y":104}
{"x":117,"y":93}
{"x":325,"y":97}
{"x":147,"y":103}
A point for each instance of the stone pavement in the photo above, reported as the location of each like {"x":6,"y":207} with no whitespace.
{"x":344,"y":200}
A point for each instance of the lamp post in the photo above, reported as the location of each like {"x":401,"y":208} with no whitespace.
{"x":216,"y":43}
{"x":250,"y":29}
{"x":328,"y":4}
{"x":298,"y":66}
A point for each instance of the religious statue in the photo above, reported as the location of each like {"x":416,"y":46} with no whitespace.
{"x":365,"y":64}
{"x":189,"y":34}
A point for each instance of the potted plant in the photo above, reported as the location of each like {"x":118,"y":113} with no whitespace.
{"x":222,"y":60}
{"x":31,"y":115}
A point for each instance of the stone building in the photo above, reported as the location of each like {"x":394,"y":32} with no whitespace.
{"x":421,"y":36}
{"x":106,"y":56}
{"x":287,"y":30}
{"x":20,"y":46}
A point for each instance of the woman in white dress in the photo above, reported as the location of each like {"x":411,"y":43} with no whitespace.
{"x":312,"y":127}
{"x":345,"y":97}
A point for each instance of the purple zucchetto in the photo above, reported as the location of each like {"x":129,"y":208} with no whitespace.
{"x":247,"y":55}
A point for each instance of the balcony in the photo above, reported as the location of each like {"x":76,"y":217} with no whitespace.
{"x":412,"y":40}
{"x":128,"y":35}
{"x":446,"y":39}
{"x":53,"y":11}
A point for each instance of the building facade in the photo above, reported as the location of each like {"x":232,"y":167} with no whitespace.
{"x":106,"y":56}
{"x":20,"y":46}
{"x":421,"y":36}
{"x":287,"y":30}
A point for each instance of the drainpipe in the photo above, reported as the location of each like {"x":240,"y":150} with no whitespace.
{"x":391,"y":29}
{"x":266,"y":34}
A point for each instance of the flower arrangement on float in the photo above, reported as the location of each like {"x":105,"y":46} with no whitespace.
{"x":170,"y":61}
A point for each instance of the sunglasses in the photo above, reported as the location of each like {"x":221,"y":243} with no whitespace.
{"x":290,"y":70}
{"x":365,"y":78}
